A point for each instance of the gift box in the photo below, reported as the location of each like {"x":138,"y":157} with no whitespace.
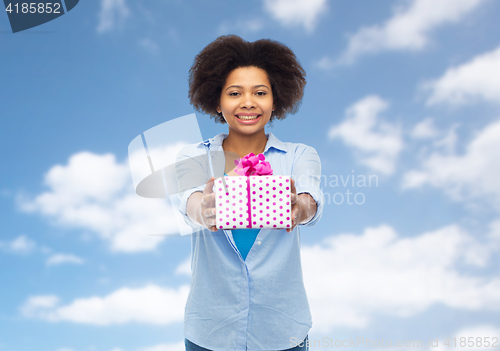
{"x":253,"y":202}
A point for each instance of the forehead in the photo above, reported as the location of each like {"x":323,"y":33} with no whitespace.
{"x":247,"y":76}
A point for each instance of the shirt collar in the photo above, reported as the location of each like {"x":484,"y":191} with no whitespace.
{"x":272,"y":141}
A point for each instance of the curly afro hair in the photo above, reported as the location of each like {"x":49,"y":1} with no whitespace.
{"x":213,"y":64}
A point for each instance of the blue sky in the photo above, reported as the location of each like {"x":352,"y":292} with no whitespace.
{"x":406,"y":91}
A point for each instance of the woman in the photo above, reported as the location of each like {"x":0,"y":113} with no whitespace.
{"x":247,"y":291}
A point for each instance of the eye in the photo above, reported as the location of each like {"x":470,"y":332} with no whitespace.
{"x":261,"y":93}
{"x":234,"y":93}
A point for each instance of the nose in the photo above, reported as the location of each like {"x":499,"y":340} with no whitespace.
{"x":247,"y":101}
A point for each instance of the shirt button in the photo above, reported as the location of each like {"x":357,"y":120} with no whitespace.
{"x":259,"y":242}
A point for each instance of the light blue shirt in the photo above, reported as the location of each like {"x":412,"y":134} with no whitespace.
{"x":258,"y":303}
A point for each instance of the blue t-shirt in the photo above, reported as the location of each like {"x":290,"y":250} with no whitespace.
{"x":244,"y":239}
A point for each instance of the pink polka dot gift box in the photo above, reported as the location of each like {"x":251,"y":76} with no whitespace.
{"x":253,"y":202}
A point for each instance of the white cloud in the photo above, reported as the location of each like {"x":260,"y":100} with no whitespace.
{"x":149,"y":45}
{"x":184,"y":267}
{"x":376,"y":143}
{"x":296,"y":12}
{"x":476,"y":333}
{"x":35,"y":304}
{"x":473,"y":175}
{"x":113,"y":13}
{"x":325,"y":63}
{"x":57,"y":259}
{"x":64,"y":349}
{"x":150,"y":304}
{"x":477,"y":80}
{"x":445,"y":140}
{"x":408,"y":29}
{"x":166,"y":347}
{"x":494,"y":233}
{"x":424,"y":129}
{"x":449,"y":140}
{"x":351,"y":278}
{"x":94,"y":192}
{"x":20,"y":245}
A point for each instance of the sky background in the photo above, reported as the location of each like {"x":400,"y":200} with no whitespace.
{"x":407,"y":91}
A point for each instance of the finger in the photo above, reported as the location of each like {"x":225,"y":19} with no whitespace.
{"x":208,"y":200}
{"x":293,"y":202}
{"x":295,"y":215}
{"x":209,"y":212}
{"x":209,"y":222}
{"x":292,"y":186}
{"x":209,"y":187}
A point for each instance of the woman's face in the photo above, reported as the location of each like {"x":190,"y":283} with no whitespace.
{"x":246,"y":100}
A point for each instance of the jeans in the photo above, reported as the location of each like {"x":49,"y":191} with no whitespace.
{"x":193,"y":347}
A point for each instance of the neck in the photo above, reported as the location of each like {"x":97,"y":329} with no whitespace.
{"x":245,"y":144}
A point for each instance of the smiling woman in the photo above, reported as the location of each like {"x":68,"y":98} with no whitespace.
{"x":246,"y":103}
{"x":216,"y":61}
{"x":246,"y":288}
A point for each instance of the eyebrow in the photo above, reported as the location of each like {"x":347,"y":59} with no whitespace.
{"x":255,"y":86}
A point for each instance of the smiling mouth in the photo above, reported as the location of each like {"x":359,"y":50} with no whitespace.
{"x":247,"y":118}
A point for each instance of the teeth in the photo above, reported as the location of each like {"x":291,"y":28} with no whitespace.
{"x":247,"y":118}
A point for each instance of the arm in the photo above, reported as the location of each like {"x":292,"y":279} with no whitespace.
{"x":190,"y":169}
{"x":308,"y":206}
{"x":193,"y":207}
{"x":307,"y":196}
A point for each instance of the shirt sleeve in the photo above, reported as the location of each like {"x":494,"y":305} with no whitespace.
{"x":191,"y":175}
{"x":307,"y":176}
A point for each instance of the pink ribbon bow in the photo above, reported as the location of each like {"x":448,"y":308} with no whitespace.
{"x":253,"y":165}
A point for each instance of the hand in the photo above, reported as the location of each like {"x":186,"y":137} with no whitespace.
{"x":207,"y":206}
{"x":296,"y":210}
{"x":303,"y":207}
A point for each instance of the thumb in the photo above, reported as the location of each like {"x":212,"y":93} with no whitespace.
{"x":292,"y":186}
{"x":209,"y":186}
